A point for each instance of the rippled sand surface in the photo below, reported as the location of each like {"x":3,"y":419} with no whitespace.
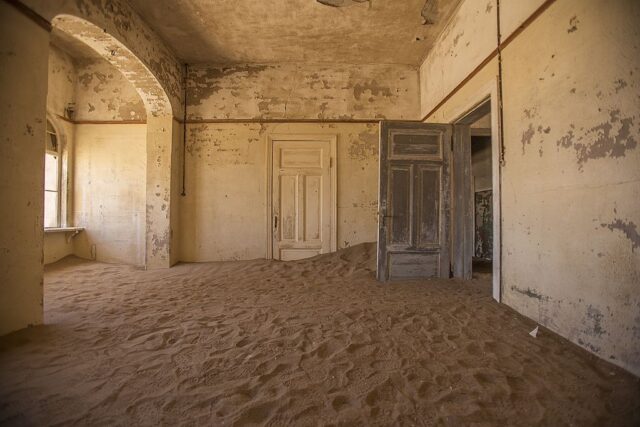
{"x":312,"y":342}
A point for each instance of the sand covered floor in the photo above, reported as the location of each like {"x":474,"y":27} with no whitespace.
{"x":309,"y":342}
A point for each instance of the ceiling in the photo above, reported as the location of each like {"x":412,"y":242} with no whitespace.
{"x":272,"y":31}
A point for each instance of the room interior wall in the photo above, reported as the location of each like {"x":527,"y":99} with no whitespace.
{"x":231,"y":112}
{"x":302,"y":91}
{"x":23,"y":85}
{"x":223,"y":215}
{"x":110,"y":165}
{"x":570,"y":179}
{"x":103,"y":93}
{"x":107,"y":192}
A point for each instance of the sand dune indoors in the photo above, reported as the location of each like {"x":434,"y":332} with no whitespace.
{"x":309,"y":342}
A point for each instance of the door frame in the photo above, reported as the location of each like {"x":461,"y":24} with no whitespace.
{"x":332,"y":139}
{"x":465,"y":115}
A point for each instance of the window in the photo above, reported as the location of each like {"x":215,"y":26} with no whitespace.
{"x":51,"y":179}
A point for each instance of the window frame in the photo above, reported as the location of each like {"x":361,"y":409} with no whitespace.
{"x":60,"y":221}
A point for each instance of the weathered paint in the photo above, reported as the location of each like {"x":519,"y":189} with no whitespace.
{"x":23,"y":85}
{"x":293,"y":91}
{"x":468,"y":39}
{"x":103,"y":93}
{"x":121,"y":30}
{"x":571,"y":181}
{"x":483,"y":241}
{"x":249,"y":31}
{"x":61,"y":87}
{"x":223,"y":216}
{"x":151,"y":91}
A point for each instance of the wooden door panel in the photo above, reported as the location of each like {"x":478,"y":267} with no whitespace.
{"x":288,"y":212}
{"x":400,"y":197}
{"x":404,"y":265}
{"x":418,"y":146}
{"x":301,"y":158}
{"x":301,"y":199}
{"x":414,"y":201}
{"x":312,"y":225}
{"x":428,"y":206}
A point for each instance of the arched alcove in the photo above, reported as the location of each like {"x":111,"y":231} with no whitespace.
{"x":162,"y":134}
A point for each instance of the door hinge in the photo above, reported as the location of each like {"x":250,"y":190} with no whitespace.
{"x":330,"y":162}
{"x":451,"y":143}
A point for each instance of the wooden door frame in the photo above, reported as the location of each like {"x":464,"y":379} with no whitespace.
{"x":486,"y":96}
{"x":333,"y":170}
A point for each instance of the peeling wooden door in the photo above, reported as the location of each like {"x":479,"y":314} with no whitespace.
{"x":301,"y":217}
{"x":414,"y":201}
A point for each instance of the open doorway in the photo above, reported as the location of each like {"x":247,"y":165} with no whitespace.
{"x":481,"y":184}
{"x":477,"y":193}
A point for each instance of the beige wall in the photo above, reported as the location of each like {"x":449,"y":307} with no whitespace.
{"x":103,"y":93}
{"x":109,"y":192}
{"x":57,"y":246}
{"x":571,"y":180}
{"x":223,"y":216}
{"x":106,"y":162}
{"x":303,"y":91}
{"x":23,"y":85}
{"x":63,"y":77}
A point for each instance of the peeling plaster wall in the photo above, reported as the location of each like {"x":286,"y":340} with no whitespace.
{"x":571,"y":180}
{"x":63,"y":76}
{"x":223,"y":216}
{"x":117,"y":19}
{"x":307,"y":91}
{"x":23,"y":85}
{"x":103,"y":93}
{"x":468,"y":39}
{"x":109,"y":195}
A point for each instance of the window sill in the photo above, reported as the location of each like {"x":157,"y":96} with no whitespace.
{"x":73,"y":231}
{"x":63,"y":230}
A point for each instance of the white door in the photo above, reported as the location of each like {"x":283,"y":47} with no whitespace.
{"x":302,"y":199}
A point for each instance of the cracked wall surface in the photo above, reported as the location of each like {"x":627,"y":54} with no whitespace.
{"x":103,"y":93}
{"x":308,"y":91}
{"x":571,"y":180}
{"x":223,"y":216}
{"x":108,"y":164}
{"x":123,"y":32}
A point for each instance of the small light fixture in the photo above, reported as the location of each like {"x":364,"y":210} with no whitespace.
{"x":70,"y":110}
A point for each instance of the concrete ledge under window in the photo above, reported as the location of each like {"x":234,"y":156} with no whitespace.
{"x":74,"y":230}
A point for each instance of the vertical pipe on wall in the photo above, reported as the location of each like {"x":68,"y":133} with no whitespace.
{"x":501,"y":151}
{"x":500,"y":109}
